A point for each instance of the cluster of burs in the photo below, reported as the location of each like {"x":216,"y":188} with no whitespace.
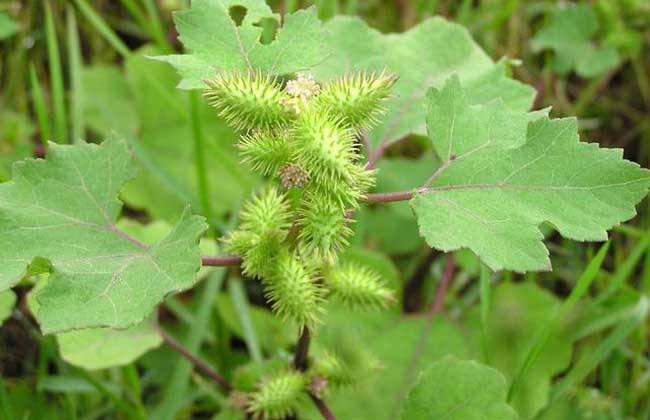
{"x":305,"y":137}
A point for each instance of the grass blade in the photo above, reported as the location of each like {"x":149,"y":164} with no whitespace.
{"x":199,"y":157}
{"x":39,"y":107}
{"x":486,"y":293}
{"x":175,"y":392}
{"x":74,"y":64}
{"x":626,"y":270}
{"x":102,"y":28}
{"x":240,"y":303}
{"x":547,"y":330}
{"x":156,"y":25}
{"x":56,"y":78}
{"x":591,"y":360}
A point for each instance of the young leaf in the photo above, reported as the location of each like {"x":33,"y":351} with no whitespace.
{"x":501,"y":178}
{"x":458,"y":390}
{"x":64,"y":210}
{"x":298,"y":44}
{"x":423,"y":56}
{"x":569,"y":34}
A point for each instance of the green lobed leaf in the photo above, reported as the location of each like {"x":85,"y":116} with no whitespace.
{"x":452,"y":389}
{"x":506,"y":172}
{"x":568,"y":34}
{"x":217,"y":43}
{"x":64,"y":209}
{"x":423,"y":56}
{"x":101,"y":348}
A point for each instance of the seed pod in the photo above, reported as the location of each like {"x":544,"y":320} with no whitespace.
{"x":279,"y":397}
{"x":248,"y":101}
{"x":324,"y":146}
{"x":358,"y":287}
{"x":267,"y":213}
{"x":265,"y":151}
{"x":358,"y":98}
{"x":323,"y":227}
{"x":292,"y":291}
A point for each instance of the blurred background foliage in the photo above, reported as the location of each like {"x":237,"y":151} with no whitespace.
{"x":79,"y":69}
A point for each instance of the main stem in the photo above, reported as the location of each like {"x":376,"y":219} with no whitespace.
{"x":300,"y":364}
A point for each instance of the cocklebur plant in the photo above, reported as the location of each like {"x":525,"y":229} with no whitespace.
{"x":501,"y":172}
{"x":304,"y":136}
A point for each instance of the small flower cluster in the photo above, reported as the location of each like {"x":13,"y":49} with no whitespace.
{"x":305,"y":136}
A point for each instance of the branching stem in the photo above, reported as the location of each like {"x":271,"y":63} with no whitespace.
{"x":221,"y":260}
{"x":300,"y":364}
{"x":199,"y":364}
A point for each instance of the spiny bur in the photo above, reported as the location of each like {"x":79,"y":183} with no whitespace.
{"x":323,"y":227}
{"x":292,"y":290}
{"x":358,"y":287}
{"x":358,"y":98}
{"x":247,"y":101}
{"x":279,"y":397}
{"x":265,"y":151}
{"x":333,"y":369}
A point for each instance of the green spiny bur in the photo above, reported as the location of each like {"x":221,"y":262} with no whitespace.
{"x":323,"y":227}
{"x":334,"y":370}
{"x":357,"y":98}
{"x":292,"y":291}
{"x":358,"y":287}
{"x":279,"y":397}
{"x":265,"y":151}
{"x":247,"y":101}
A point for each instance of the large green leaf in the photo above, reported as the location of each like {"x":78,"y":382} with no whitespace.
{"x":502,"y":177}
{"x":216,"y":42}
{"x":452,"y":389}
{"x":568,"y":33}
{"x":517,"y":313}
{"x":101,"y":348}
{"x":422,"y":57}
{"x":64,"y":210}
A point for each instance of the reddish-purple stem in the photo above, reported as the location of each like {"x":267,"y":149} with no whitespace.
{"x":221,"y":260}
